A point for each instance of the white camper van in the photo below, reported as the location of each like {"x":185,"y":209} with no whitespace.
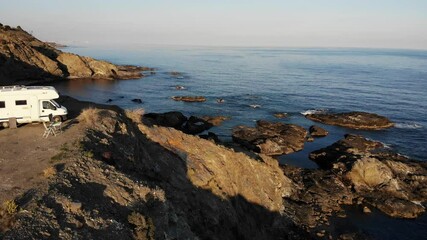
{"x":30,"y":104}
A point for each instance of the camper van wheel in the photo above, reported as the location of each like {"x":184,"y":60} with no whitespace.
{"x":57,"y":119}
{"x":5,"y":124}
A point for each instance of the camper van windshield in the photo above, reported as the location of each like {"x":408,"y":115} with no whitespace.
{"x":55,"y":103}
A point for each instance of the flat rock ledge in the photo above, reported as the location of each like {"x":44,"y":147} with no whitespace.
{"x":271,"y":138}
{"x":189,"y":98}
{"x":354,"y":120}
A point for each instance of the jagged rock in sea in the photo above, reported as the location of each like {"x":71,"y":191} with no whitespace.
{"x":215,"y":120}
{"x":195,"y":125}
{"x":354,"y":171}
{"x":354,"y":120}
{"x":25,"y":59}
{"x":168,"y":119}
{"x":316,"y":131}
{"x":137,"y":100}
{"x":345,"y":151}
{"x":192,"y":125}
{"x":280,"y":115}
{"x":391,"y":182}
{"x":271,"y":138}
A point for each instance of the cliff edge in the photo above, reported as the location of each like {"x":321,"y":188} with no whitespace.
{"x":25,"y":59}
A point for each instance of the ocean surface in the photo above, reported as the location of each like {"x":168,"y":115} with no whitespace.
{"x":392,"y":83}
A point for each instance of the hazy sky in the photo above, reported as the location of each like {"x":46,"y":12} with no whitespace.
{"x":304,"y":23}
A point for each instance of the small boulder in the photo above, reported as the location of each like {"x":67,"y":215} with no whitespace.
{"x":271,"y":138}
{"x":369,"y":173}
{"x":316,"y":131}
{"x":195,"y":125}
{"x":280,"y":115}
{"x":211,"y":136}
{"x":168,"y":119}
{"x":366,"y":210}
{"x":137,"y":100}
{"x":215,"y":120}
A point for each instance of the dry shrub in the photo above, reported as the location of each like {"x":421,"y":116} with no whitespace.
{"x":49,"y":172}
{"x":99,"y":119}
{"x":10,"y":207}
{"x":135,"y":115}
{"x":7,"y":215}
{"x":89,"y":116}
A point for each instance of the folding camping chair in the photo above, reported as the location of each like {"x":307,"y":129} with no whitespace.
{"x":52,"y":127}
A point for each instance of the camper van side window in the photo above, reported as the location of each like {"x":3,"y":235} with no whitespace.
{"x":2,"y":104}
{"x":21,"y":102}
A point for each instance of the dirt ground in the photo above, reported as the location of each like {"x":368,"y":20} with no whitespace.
{"x":24,"y":154}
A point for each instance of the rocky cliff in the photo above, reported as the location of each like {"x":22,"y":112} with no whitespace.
{"x":24,"y":58}
{"x":129,"y":180}
{"x":126,"y":180}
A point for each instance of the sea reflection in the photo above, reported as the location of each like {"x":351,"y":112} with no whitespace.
{"x":85,"y":83}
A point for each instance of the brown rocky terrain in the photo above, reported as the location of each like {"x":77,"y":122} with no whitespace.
{"x":129,"y":180}
{"x":25,"y":59}
{"x":355,"y":120}
{"x":391,"y":182}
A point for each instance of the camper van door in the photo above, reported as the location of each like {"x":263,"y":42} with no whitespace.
{"x":46,"y":108}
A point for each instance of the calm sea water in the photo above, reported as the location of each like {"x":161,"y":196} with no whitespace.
{"x":392,"y":83}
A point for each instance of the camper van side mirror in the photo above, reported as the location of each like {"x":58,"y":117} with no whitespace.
{"x":54,"y":108}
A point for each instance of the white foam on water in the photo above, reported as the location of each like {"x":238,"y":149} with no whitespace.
{"x":313,"y":111}
{"x":408,"y":125}
{"x":386,"y":146}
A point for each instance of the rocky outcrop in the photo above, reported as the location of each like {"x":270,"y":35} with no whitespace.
{"x":280,"y":115}
{"x":393,"y":183}
{"x":215,"y":120}
{"x":25,"y":58}
{"x":158,"y":183}
{"x":189,"y":98}
{"x":355,"y":171}
{"x":195,"y":125}
{"x":316,"y":131}
{"x":130,"y":180}
{"x":345,"y":151}
{"x":271,"y":138}
{"x":354,"y":120}
{"x":319,"y":194}
{"x":177,"y":120}
{"x":169,"y":119}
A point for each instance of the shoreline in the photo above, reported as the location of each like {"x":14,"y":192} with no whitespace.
{"x":167,"y":137}
{"x":157,"y":177}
